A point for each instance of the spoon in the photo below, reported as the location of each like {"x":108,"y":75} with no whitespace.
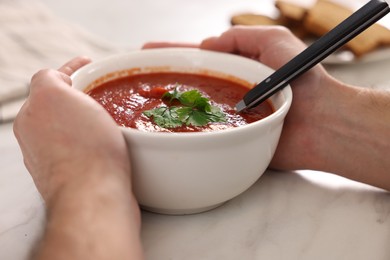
{"x":315,"y":53}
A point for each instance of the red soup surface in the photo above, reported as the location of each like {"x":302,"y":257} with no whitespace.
{"x":126,"y":99}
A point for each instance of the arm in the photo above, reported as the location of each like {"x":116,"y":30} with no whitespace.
{"x":94,"y":217}
{"x":348,"y":134}
{"x":331,"y":126}
{"x":78,"y":160}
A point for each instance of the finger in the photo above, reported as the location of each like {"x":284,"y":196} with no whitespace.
{"x":153,"y":45}
{"x":49,"y":78}
{"x":71,"y":66}
{"x":224,"y":43}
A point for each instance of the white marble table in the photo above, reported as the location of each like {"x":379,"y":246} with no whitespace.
{"x":285,"y":215}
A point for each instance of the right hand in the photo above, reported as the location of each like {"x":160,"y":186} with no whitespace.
{"x":275,"y":46}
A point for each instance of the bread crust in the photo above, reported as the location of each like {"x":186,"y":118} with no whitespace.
{"x":317,"y":20}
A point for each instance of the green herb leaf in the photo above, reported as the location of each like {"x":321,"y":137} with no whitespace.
{"x":197,"y":118}
{"x":195,"y":110}
{"x":164,"y":117}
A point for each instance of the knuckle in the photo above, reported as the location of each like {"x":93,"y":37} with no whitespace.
{"x":41,"y":73}
{"x":41,"y":79}
{"x":279,"y":30}
{"x":45,"y":79}
{"x":18,"y":124}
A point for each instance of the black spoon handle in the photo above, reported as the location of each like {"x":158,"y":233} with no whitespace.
{"x":315,"y":53}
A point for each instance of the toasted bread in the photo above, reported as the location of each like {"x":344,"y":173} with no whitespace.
{"x":291,"y":11}
{"x":258,"y":19}
{"x":252,"y":19}
{"x":292,"y":16}
{"x":316,"y":20}
{"x":326,"y":15}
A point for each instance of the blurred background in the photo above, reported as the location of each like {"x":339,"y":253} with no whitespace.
{"x":131,"y":23}
{"x":36,"y":34}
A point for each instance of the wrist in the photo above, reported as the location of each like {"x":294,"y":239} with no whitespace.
{"x":97,"y":190}
{"x":353,"y":127}
{"x":87,"y":207}
{"x":89,"y":178}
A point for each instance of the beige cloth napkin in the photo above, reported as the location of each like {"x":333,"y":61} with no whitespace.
{"x":32,"y":38}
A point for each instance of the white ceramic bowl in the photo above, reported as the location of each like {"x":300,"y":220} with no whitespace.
{"x":183,"y":173}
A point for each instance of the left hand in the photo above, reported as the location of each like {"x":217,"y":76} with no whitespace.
{"x":62,"y":132}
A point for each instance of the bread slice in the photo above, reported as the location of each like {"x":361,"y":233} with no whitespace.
{"x":291,"y":11}
{"x":292,"y":15}
{"x":326,"y":15}
{"x":252,"y":19}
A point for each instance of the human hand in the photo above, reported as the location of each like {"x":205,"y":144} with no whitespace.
{"x":275,"y":46}
{"x":65,"y":135}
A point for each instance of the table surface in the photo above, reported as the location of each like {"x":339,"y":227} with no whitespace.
{"x":285,"y":215}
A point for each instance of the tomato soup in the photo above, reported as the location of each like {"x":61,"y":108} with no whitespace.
{"x":128,"y":97}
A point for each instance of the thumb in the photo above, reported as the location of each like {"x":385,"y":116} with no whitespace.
{"x":271,"y":45}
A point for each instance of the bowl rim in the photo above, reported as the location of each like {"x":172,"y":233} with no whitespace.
{"x":277,"y":114}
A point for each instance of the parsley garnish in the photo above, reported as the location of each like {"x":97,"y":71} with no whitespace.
{"x":194,"y":110}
